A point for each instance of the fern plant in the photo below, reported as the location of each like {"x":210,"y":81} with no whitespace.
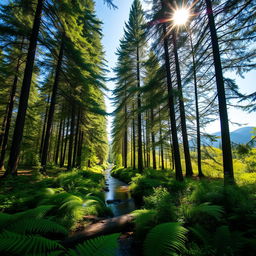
{"x":99,"y":246}
{"x":37,"y":213}
{"x":144,"y":220}
{"x":166,"y":239}
{"x":196,"y":212}
{"x":19,"y":244}
{"x":221,"y":242}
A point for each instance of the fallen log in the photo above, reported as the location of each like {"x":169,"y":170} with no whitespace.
{"x":121,"y":223}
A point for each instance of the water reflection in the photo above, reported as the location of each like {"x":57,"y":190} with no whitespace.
{"x":118,"y":190}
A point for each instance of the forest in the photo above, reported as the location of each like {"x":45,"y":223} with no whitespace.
{"x":158,"y":183}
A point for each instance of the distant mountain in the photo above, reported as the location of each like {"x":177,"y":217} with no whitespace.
{"x":240,"y":136}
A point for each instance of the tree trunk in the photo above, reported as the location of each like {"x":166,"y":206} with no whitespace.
{"x":24,"y":94}
{"x":144,"y":146}
{"x":131,"y":147}
{"x":198,"y":134}
{"x":44,"y":127}
{"x":66,"y":142}
{"x":176,"y":150}
{"x":161,"y":141}
{"x":9,"y":109}
{"x":52,"y":108}
{"x":62,"y":140}
{"x":153,"y":139}
{"x":125,"y":135}
{"x":79,"y":151}
{"x":108,"y":226}
{"x":76,"y":139}
{"x":148,"y":139}
{"x":71,"y":139}
{"x":189,"y":171}
{"x":225,"y":135}
{"x":134,"y":143}
{"x":58,"y":142}
{"x":140,"y":156}
{"x":4,"y":124}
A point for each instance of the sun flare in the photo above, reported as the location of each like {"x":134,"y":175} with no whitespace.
{"x":180,"y":16}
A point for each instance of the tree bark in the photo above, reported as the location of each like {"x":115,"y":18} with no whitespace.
{"x":198,"y":134}
{"x":161,"y":141}
{"x":44,"y":127}
{"x":24,"y":94}
{"x":52,"y":107}
{"x":189,"y":171}
{"x":153,"y":138}
{"x":134,"y":143}
{"x":71,"y":139}
{"x":79,"y":151}
{"x":140,"y":156}
{"x":58,"y":142}
{"x":4,"y":124}
{"x":176,"y":150}
{"x":8,"y":116}
{"x":62,"y":141}
{"x":76,"y":139}
{"x":104,"y":227}
{"x":148,"y":139}
{"x":66,"y":142}
{"x":125,"y":135}
{"x":225,"y":135}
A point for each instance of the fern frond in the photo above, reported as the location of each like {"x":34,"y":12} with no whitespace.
{"x":165,"y":239}
{"x":17,"y":244}
{"x":37,"y":213}
{"x":144,"y":219}
{"x":90,"y":198}
{"x":8,"y":219}
{"x":201,"y":233}
{"x":5,"y":219}
{"x":37,"y":226}
{"x":99,"y":246}
{"x":214,"y":211}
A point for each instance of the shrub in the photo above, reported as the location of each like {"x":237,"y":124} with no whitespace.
{"x":160,"y":201}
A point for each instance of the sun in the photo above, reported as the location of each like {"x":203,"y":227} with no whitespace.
{"x":180,"y":16}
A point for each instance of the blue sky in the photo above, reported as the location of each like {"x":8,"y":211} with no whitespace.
{"x":114,"y":21}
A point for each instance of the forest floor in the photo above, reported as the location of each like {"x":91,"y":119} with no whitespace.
{"x":76,"y":201}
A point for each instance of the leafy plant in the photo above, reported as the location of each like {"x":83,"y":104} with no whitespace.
{"x":161,"y":201}
{"x":99,"y":246}
{"x":221,"y":242}
{"x":144,"y":220}
{"x":197,"y":212}
{"x":19,"y":244}
{"x":165,"y":239}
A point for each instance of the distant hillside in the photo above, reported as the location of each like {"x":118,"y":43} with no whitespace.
{"x":240,"y":136}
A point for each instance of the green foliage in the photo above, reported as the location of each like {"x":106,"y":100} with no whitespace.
{"x":124,"y":174}
{"x":161,"y":201}
{"x":41,"y":226}
{"x":99,"y":246}
{"x":165,"y":239}
{"x":144,"y":220}
{"x":118,"y":160}
{"x":221,"y":242}
{"x":17,"y":244}
{"x":202,"y":213}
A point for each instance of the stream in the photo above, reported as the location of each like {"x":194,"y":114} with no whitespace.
{"x":118,"y":196}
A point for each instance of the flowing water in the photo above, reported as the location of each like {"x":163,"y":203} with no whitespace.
{"x":118,"y":196}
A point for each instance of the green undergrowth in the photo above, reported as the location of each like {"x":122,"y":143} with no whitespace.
{"x":217,"y":220}
{"x":38,"y":212}
{"x":72,"y":195}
